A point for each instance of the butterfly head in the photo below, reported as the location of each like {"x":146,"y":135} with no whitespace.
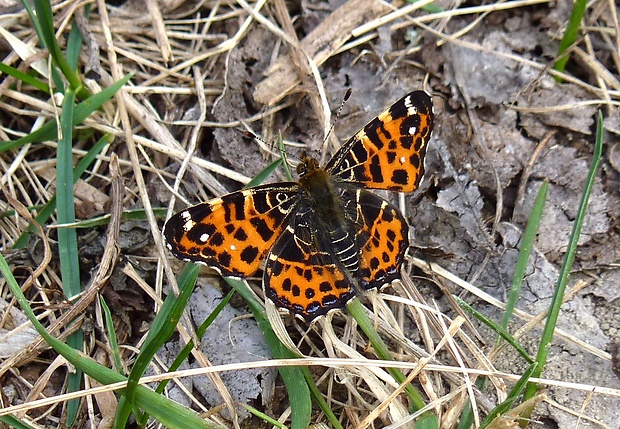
{"x":307,"y":165}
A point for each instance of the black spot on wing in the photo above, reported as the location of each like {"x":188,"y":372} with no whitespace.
{"x":400,"y":176}
{"x":201,"y":230}
{"x":262,"y":228}
{"x":249,"y":254}
{"x":240,"y":234}
{"x":224,"y":259}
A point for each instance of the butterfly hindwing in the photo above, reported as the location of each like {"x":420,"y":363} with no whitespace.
{"x":302,"y":273}
{"x":382,"y":238}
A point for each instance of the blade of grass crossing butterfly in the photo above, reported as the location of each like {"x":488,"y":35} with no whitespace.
{"x":287,"y":167}
{"x":266,"y":172}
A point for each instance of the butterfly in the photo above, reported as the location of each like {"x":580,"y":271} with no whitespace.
{"x":326,"y":235}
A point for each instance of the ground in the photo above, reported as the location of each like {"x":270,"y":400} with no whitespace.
{"x":504,"y":126}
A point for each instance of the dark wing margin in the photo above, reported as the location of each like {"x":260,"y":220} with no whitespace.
{"x":383,"y":239}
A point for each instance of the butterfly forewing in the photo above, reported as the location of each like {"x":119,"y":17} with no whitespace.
{"x":233,"y":233}
{"x":388,"y":153}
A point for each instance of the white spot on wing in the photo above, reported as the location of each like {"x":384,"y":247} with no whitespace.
{"x":187,"y":218}
{"x":203,"y":238}
{"x":233,"y":247}
{"x":412,"y":130}
{"x":411,"y":109}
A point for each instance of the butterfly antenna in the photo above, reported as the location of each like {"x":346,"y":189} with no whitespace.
{"x":281,"y":147}
{"x":346,"y":97}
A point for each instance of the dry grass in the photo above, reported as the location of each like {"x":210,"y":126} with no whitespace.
{"x":183,"y":62}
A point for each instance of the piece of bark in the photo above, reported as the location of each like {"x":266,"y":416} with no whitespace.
{"x":319,"y":45}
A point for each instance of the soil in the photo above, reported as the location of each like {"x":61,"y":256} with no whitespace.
{"x":503,"y":127}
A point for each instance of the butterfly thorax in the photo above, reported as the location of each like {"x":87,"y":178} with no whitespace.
{"x":320,"y":193}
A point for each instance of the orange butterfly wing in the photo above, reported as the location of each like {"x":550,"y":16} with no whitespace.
{"x":382,"y":238}
{"x":388,"y":153}
{"x":233,"y":233}
{"x":311,"y":270}
{"x":303,"y":274}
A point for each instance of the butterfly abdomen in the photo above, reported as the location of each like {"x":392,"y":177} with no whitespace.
{"x":334,"y":229}
{"x":343,"y":244}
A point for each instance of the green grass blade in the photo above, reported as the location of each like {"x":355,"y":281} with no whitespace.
{"x":495,"y":327}
{"x":67,"y":237}
{"x":24,"y":77}
{"x":296,"y":385}
{"x":167,"y":412}
{"x":190,"y":344}
{"x":46,"y":211}
{"x":112,"y":338}
{"x":49,"y":131}
{"x":569,"y":258}
{"x":262,"y":176}
{"x":48,"y":37}
{"x":104,"y":219}
{"x":334,"y":422}
{"x":59,"y":84}
{"x":269,"y":420}
{"x":14,"y":422}
{"x":355,"y":308}
{"x":74,"y":42}
{"x":527,"y":242}
{"x":512,"y":398}
{"x":287,"y":168}
{"x":525,"y":249}
{"x":163,"y":327}
{"x":570,"y":35}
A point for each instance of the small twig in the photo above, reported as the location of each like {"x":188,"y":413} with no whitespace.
{"x":528,"y":170}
